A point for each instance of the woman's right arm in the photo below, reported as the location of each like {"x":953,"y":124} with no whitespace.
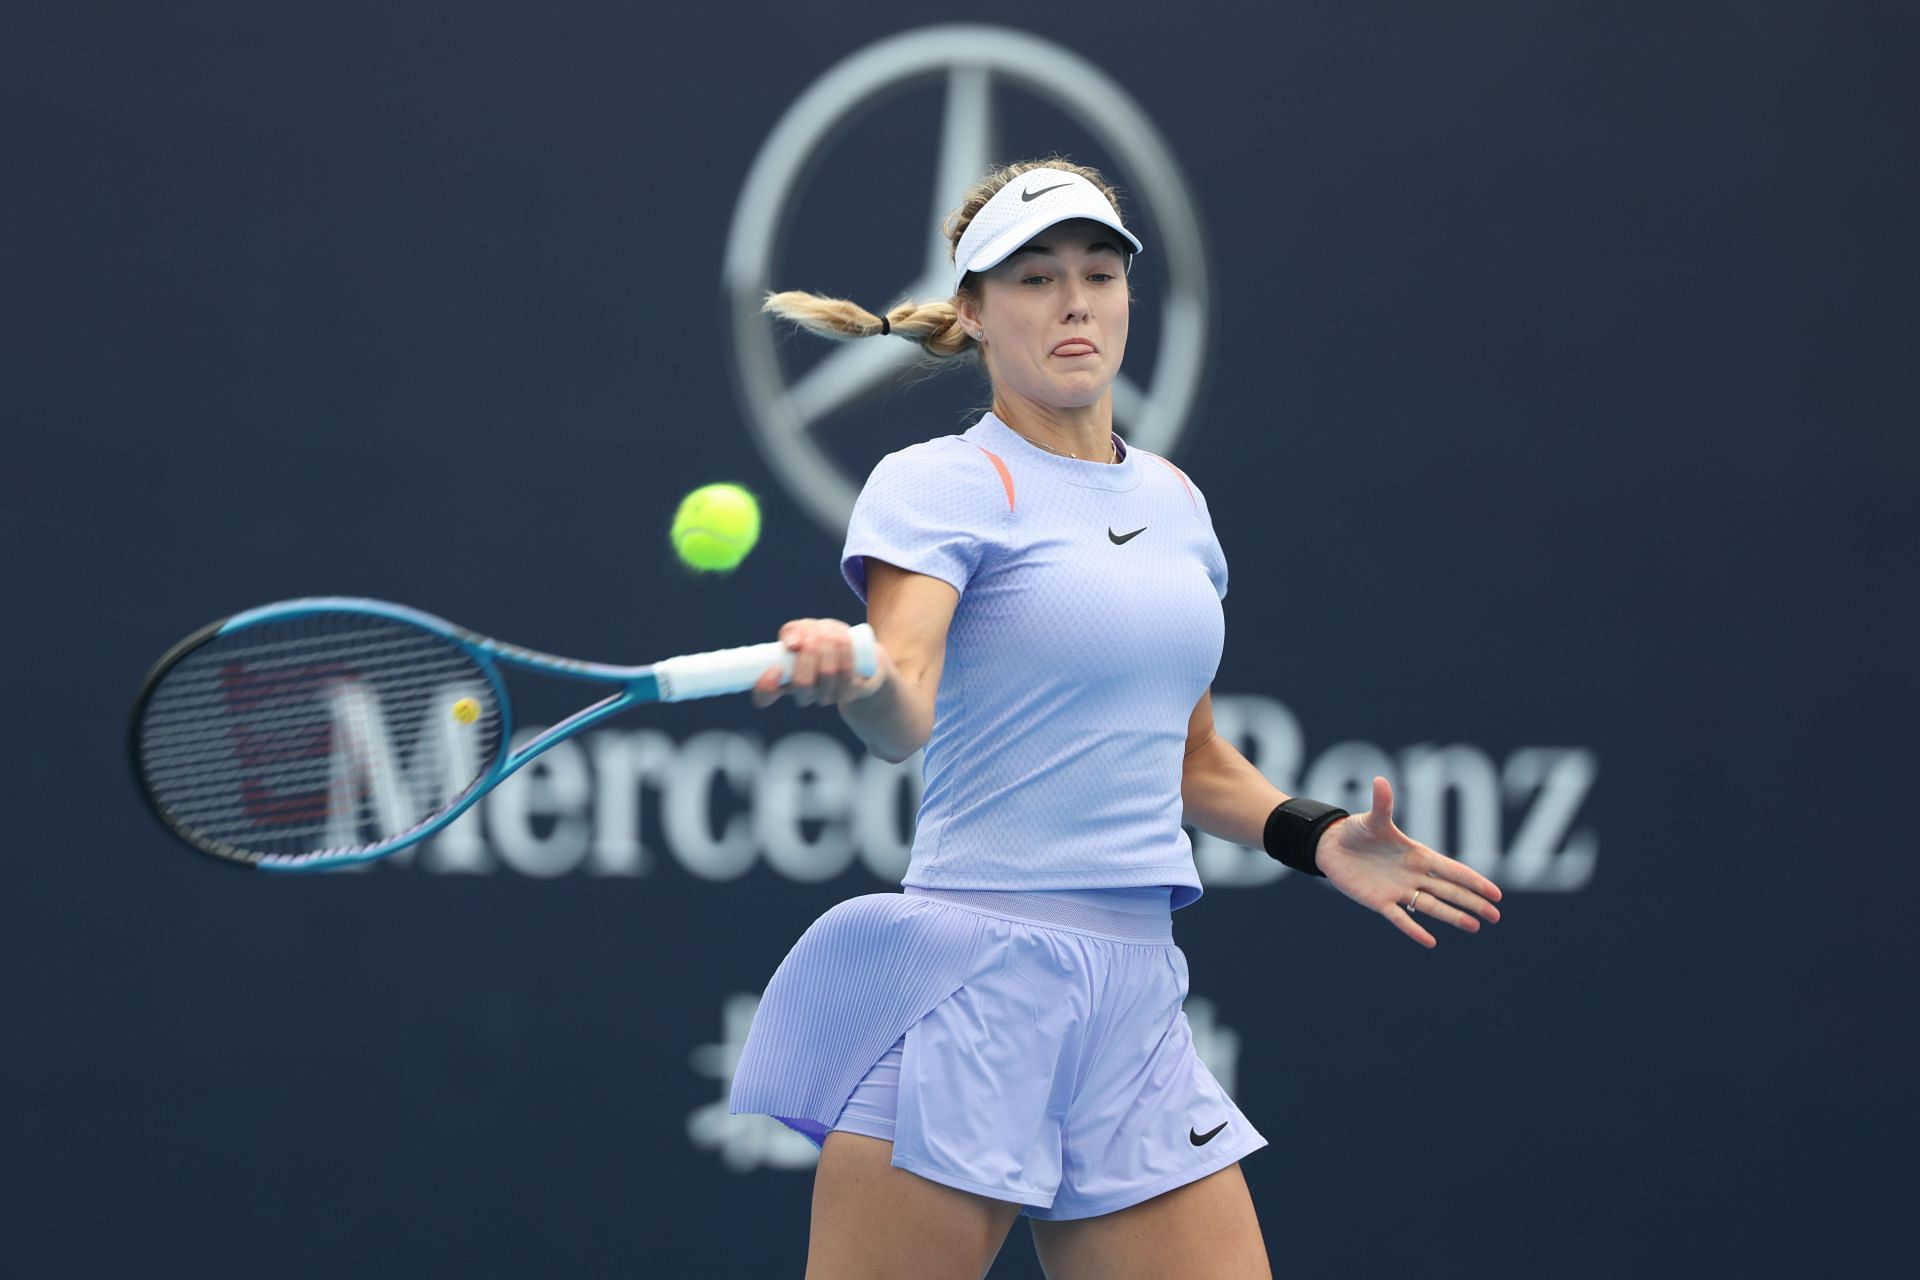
{"x":892,"y":710}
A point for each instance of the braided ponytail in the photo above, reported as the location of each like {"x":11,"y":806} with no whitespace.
{"x":934,"y":325}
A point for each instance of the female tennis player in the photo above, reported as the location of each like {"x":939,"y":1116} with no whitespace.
{"x":1006,"y":1035}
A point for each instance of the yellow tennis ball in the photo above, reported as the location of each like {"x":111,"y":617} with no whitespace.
{"x":466,"y":710}
{"x":715,"y":527}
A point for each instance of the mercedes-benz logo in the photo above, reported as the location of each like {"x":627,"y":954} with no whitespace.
{"x":787,"y":420}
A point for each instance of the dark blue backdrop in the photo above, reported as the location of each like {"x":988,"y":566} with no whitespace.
{"x":1557,"y":399}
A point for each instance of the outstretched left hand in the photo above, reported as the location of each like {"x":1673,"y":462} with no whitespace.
{"x":1373,"y":862}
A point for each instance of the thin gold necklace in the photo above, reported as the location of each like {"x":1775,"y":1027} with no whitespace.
{"x":1113,"y":461}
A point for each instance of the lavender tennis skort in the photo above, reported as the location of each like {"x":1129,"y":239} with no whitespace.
{"x":1029,"y":1047}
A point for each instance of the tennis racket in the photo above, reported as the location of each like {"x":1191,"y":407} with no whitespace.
{"x":317,"y":733}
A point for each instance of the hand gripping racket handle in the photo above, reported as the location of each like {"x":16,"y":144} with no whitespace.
{"x":703,"y":675}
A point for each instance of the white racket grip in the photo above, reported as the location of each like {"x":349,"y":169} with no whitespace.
{"x":706,"y":675}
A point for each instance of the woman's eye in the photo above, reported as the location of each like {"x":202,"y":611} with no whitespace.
{"x":1034,"y":280}
{"x":1101,"y":277}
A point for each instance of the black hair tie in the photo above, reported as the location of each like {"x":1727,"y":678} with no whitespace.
{"x":885,"y":328}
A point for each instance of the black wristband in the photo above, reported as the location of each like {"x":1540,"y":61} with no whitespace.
{"x":1294,"y":828}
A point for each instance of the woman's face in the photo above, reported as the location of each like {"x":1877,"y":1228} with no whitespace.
{"x":1053,"y":316}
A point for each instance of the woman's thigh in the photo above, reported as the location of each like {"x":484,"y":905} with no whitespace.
{"x":871,"y":1220}
{"x":1206,"y":1229}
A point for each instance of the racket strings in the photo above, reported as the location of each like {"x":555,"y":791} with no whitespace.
{"x":321,"y":734}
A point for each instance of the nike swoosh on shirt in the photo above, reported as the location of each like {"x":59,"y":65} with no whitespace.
{"x":1199,"y":1139}
{"x":1026,"y":195}
{"x":1120,"y":539}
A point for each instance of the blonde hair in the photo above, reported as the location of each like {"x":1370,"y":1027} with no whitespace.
{"x":934,"y":325}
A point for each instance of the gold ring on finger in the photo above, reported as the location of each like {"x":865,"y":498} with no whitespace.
{"x":1413,"y":901}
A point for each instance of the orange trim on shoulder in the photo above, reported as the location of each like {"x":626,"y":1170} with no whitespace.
{"x":1177,"y":471}
{"x":1006,"y":476}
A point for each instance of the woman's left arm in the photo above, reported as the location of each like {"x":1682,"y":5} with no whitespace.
{"x":1365,"y":856}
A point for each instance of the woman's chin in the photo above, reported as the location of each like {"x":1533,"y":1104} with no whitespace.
{"x":1078,"y":391}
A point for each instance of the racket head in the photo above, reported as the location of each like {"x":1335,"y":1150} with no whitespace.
{"x":318,"y":733}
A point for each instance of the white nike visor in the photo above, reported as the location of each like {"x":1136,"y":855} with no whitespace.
{"x":1021,"y":210}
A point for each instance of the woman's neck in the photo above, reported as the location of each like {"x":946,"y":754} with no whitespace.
{"x":1084,"y":431}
